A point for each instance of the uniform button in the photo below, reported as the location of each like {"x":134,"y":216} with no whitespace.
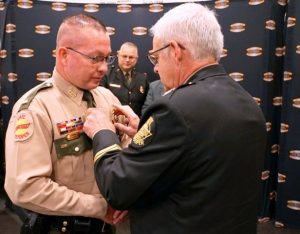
{"x":129,"y":92}
{"x":63,"y":229}
{"x":77,"y":149}
{"x":129,"y":103}
{"x":65,"y":223}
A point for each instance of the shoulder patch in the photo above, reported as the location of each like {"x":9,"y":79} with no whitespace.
{"x":145,"y":133}
{"x":23,"y":126}
{"x":32,"y":94}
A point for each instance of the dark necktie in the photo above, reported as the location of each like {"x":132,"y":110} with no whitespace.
{"x":88,"y":97}
{"x":128,"y":78}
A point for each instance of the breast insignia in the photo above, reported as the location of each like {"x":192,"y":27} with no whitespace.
{"x":72,"y":141}
{"x":69,"y":126}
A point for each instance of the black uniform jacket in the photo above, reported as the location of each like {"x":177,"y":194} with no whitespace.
{"x":194,"y":166}
{"x":134,"y":94}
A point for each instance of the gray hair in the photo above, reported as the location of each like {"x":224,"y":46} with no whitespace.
{"x":193,"y":26}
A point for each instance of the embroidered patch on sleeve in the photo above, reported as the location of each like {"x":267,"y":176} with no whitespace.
{"x":23,"y":126}
{"x":144,"y":133}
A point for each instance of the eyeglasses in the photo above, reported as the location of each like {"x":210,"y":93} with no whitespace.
{"x":153,"y":59}
{"x":97,"y":59}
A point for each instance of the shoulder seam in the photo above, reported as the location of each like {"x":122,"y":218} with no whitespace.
{"x":26,"y":103}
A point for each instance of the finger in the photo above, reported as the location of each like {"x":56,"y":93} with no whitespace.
{"x":119,"y":216}
{"x":117,"y":109}
{"x":123,"y":128}
{"x":123,"y":214}
{"x":116,"y":214}
{"x":125,"y":110}
{"x":132,"y":117}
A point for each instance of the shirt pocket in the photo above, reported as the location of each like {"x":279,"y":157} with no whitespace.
{"x":74,"y":164}
{"x":76,"y":147}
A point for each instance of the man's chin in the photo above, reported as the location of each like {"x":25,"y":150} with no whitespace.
{"x":127,"y":68}
{"x":94,"y":84}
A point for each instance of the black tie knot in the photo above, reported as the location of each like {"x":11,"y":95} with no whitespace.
{"x":88,"y":97}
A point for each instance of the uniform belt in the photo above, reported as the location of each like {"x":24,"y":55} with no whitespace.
{"x":35,"y":223}
{"x":74,"y":225}
{"x":68,"y":224}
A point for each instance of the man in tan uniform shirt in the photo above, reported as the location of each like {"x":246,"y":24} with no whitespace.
{"x":49,"y":160}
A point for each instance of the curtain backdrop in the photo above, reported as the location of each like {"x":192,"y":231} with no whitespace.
{"x":288,"y":177}
{"x":125,"y":1}
{"x":2,"y":31}
{"x":261,"y":52}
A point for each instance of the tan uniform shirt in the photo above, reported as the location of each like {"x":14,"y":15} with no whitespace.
{"x":41,"y":175}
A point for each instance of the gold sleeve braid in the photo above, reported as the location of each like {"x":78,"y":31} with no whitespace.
{"x":100,"y":153}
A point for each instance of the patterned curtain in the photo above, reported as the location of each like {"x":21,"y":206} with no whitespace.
{"x":2,"y":27}
{"x":261,"y":52}
{"x":253,"y":56}
{"x":288,"y":189}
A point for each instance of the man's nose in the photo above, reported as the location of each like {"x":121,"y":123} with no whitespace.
{"x":102,"y":66}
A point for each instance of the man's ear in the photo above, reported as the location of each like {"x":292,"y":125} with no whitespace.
{"x":178,"y":53}
{"x":62,"y":54}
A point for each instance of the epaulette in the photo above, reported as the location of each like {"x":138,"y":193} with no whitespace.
{"x":25,"y":104}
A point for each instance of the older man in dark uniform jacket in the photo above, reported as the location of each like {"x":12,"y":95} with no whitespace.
{"x":194,"y":165}
{"x":127,"y":84}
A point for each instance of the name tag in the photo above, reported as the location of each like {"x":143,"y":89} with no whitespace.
{"x":115,"y":85}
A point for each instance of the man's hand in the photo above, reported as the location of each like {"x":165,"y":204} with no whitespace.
{"x":115,"y":216}
{"x":98,"y":119}
{"x":120,"y":216}
{"x":130,"y":122}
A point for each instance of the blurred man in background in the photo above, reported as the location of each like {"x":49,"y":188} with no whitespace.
{"x":127,"y":84}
